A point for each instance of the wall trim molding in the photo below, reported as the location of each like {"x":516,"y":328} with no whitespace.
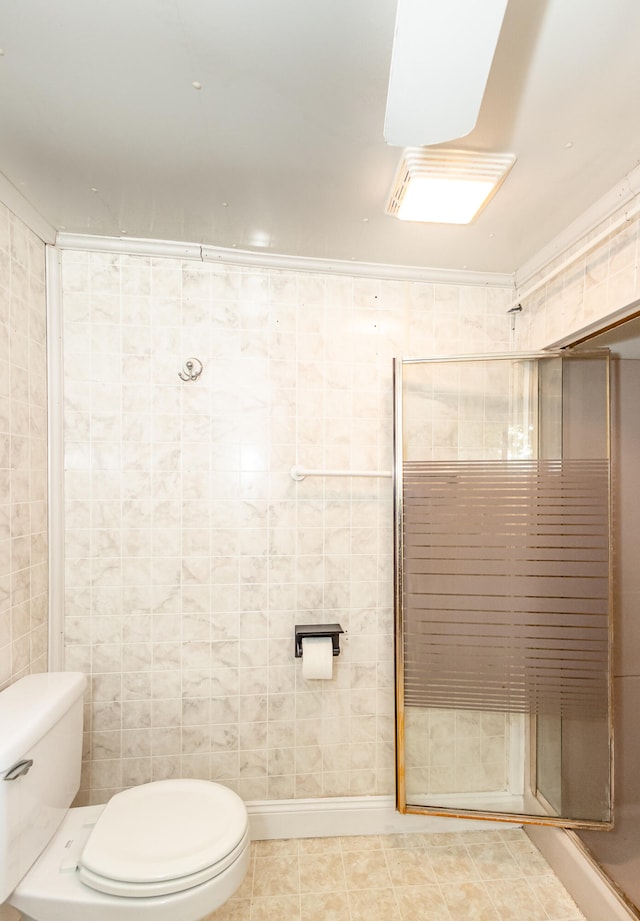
{"x":128,"y":246}
{"x":18,"y":204}
{"x":202,"y":253}
{"x":345,"y":816}
{"x":427,"y":275}
{"x":589,"y":887}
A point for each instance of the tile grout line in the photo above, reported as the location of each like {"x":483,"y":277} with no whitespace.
{"x":346,"y":881}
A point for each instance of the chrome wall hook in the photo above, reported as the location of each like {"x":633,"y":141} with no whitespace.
{"x":191,"y":370}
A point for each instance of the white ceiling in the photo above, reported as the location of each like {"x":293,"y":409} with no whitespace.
{"x":282,"y":149}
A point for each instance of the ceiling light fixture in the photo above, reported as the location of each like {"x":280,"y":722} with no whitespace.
{"x":440,"y":63}
{"x":445,"y":186}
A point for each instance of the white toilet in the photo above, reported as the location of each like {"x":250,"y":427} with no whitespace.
{"x":173,"y":849}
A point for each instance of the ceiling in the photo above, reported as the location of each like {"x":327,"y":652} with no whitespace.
{"x":279,"y":146}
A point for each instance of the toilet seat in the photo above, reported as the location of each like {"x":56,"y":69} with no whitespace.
{"x":164,"y":837}
{"x":52,"y":888}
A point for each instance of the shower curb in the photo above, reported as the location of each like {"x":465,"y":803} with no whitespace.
{"x":590,"y":888}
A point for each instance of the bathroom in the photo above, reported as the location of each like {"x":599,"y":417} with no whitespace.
{"x":189,"y":552}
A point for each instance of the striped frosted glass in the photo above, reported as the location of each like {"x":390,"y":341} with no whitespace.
{"x":505,"y":585}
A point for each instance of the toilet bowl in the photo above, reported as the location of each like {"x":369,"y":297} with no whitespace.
{"x":171,"y":850}
{"x":166,"y":850}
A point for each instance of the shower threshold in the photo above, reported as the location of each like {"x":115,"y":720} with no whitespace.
{"x":493,"y":801}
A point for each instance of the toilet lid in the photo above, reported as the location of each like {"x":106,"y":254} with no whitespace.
{"x":165,"y":830}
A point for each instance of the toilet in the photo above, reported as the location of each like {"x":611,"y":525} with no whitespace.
{"x":163,"y":850}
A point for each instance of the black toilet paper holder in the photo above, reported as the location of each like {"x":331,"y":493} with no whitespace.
{"x":306,"y":630}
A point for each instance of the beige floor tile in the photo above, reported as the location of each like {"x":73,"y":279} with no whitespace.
{"x":511,"y":834}
{"x":276,"y":847}
{"x":469,"y":902}
{"x":321,"y":873}
{"x":554,"y":898}
{"x":276,"y":876}
{"x":364,"y":869}
{"x":410,"y":867}
{"x":529,"y":858}
{"x":320,"y":845}
{"x":360,"y":843}
{"x":452,"y":864}
{"x":515,"y":900}
{"x":446,"y":838}
{"x":422,"y":903}
{"x":325,"y":906}
{"x":494,"y":861}
{"x":406,"y":841}
{"x":279,"y":908}
{"x":237,"y":910}
{"x":457,"y":876}
{"x":481,"y":837}
{"x":373,"y":905}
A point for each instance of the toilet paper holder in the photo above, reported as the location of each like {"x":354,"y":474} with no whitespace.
{"x":305,"y":630}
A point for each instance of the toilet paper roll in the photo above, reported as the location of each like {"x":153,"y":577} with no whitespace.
{"x":317,"y":657}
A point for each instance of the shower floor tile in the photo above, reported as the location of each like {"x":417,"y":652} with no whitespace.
{"x":470,"y":876}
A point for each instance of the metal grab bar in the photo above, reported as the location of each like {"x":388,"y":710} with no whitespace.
{"x":299,"y":473}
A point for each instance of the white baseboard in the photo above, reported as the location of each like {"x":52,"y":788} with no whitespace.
{"x":348,"y":815}
{"x":594,"y":895}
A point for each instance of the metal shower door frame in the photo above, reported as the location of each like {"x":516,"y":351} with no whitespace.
{"x":401,"y":791}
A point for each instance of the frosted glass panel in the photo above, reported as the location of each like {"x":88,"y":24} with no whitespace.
{"x":506,"y":590}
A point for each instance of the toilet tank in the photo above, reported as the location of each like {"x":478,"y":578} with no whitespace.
{"x":40,"y":721}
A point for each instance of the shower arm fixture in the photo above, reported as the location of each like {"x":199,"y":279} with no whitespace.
{"x":512,"y":312}
{"x":191,"y":371}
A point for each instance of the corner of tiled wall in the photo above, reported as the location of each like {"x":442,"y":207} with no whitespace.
{"x":597,"y":284}
{"x":23,"y":451}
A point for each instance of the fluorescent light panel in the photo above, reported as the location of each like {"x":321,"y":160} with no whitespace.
{"x":445,"y":186}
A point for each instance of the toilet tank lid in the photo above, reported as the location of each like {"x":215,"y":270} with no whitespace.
{"x":30,"y":707}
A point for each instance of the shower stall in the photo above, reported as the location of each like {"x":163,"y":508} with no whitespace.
{"x":503,"y":589}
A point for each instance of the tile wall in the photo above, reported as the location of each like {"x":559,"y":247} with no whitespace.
{"x":23,"y":452}
{"x":191,"y":553}
{"x":596,"y":285}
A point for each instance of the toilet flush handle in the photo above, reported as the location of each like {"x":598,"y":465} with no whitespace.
{"x":19,"y":769}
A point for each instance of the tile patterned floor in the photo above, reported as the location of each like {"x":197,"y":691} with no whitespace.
{"x":470,"y":876}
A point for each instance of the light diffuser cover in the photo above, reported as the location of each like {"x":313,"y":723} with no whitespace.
{"x":445,"y":186}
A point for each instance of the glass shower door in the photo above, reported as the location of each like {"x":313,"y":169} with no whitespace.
{"x":502,"y":587}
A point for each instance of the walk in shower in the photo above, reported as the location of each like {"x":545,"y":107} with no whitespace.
{"x":503,"y":607}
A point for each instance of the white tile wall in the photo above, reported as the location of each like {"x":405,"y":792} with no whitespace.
{"x":455,"y":751}
{"x":596,"y":285}
{"x":190,"y":551}
{"x":23,"y":452}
